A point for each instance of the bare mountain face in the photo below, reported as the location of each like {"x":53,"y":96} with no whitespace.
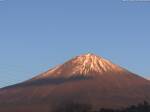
{"x":86,"y":79}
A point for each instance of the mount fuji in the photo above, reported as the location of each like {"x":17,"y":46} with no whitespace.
{"x":87,"y":78}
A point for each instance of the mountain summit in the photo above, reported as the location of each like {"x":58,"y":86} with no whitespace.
{"x":87,"y":79}
{"x":83,"y":65}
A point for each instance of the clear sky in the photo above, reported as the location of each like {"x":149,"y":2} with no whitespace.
{"x":36,"y":35}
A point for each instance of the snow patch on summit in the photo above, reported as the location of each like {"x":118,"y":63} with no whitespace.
{"x":92,"y":63}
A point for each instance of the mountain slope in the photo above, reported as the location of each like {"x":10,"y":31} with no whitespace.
{"x":85,"y":78}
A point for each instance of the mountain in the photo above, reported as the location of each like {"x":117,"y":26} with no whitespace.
{"x":88,"y":79}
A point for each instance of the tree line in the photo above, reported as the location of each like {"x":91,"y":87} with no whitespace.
{"x":76,"y":107}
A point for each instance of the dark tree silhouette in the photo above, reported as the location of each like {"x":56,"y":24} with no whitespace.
{"x":73,"y":107}
{"x":77,"y":107}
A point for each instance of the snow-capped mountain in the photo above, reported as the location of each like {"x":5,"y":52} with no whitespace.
{"x":86,"y":78}
{"x":83,"y":65}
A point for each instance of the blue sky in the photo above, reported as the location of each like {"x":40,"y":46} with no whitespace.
{"x":36,"y":35}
